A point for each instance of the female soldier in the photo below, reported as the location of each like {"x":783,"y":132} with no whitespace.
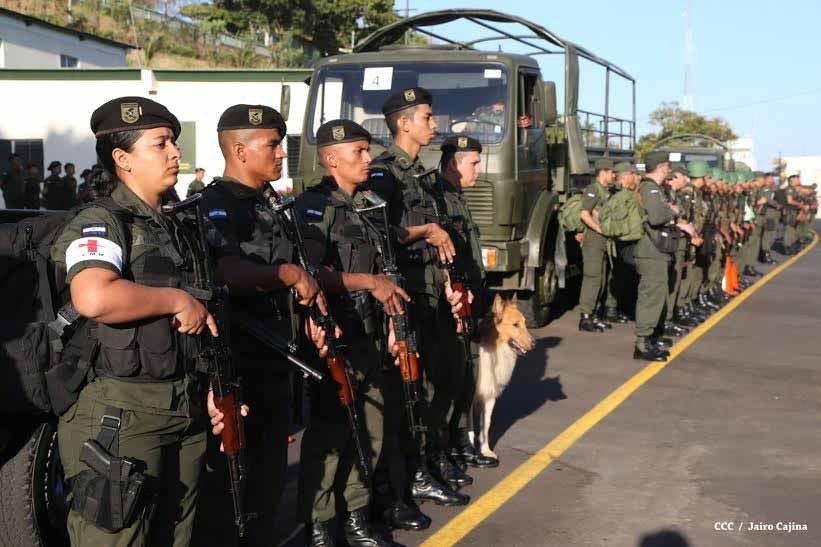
{"x":124,"y":263}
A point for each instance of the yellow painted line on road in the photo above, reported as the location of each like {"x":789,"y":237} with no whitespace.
{"x":493,"y":499}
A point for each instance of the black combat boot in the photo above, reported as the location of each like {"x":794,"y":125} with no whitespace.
{"x":648,"y":352}
{"x":462,"y":450}
{"x":769,"y":258}
{"x":406,"y":516}
{"x":670,"y":329}
{"x":447,"y":473}
{"x":613,"y":315}
{"x":683,"y":318}
{"x":319,"y":534}
{"x":602,"y":323}
{"x":359,"y":533}
{"x":695,"y":312}
{"x":660,"y":343}
{"x":707,"y":304}
{"x":424,"y":487}
{"x":589,"y":324}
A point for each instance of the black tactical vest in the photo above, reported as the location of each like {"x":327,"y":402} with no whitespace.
{"x":358,"y":249}
{"x":418,"y":208}
{"x":262,"y":239}
{"x":149,"y":350}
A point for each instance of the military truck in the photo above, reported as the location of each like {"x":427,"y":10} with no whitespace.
{"x":528,"y":171}
{"x":685,"y":147}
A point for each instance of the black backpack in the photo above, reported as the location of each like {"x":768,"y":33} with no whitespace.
{"x":46,"y":348}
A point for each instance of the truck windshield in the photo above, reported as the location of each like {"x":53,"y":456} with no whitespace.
{"x":468,"y":98}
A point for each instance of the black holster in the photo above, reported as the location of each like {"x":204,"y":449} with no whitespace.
{"x":113,"y":493}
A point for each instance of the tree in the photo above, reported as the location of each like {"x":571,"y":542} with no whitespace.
{"x":326,"y":23}
{"x":674,"y":120}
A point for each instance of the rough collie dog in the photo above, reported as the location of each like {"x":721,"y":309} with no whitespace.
{"x":503,"y":338}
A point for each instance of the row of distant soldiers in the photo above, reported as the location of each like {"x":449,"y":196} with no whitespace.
{"x":28,"y":190}
{"x":688,"y":236}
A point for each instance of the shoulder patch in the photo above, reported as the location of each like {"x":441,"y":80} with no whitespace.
{"x":376,"y":173}
{"x":97,"y":229}
{"x":217,"y":213}
{"x":654,"y":191}
{"x":314,"y":214}
{"x":591,"y":194}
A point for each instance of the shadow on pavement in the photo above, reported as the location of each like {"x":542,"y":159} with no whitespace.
{"x":528,"y":391}
{"x":664,"y":538}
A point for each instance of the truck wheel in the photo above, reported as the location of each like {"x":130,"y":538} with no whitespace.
{"x":535,"y":305}
{"x":33,"y":507}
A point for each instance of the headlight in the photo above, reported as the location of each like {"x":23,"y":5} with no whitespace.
{"x":489,"y":256}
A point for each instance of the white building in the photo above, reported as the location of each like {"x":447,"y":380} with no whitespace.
{"x":44,"y":114}
{"x":31,"y":43}
{"x":742,"y":150}
{"x":809,"y":167}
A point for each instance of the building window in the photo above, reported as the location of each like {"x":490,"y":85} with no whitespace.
{"x":67,"y":61}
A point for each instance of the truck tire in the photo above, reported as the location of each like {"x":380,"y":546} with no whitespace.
{"x":33,"y":508}
{"x":536,"y":305}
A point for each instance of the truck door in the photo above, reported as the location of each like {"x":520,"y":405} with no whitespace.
{"x":531,"y":150}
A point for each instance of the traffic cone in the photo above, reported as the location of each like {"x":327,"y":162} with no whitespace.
{"x":726,"y":283}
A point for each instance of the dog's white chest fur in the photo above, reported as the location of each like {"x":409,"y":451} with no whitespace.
{"x":495,"y":369}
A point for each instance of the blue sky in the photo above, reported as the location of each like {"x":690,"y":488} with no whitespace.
{"x":757,"y":64}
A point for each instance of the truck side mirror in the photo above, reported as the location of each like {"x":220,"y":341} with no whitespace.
{"x":285,"y":101}
{"x":547,"y":96}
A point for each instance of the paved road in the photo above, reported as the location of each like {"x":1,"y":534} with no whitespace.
{"x":726,"y":432}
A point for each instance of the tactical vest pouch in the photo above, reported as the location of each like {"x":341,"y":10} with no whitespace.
{"x":147,"y":351}
{"x":770,"y":224}
{"x":157,"y":350}
{"x":665,"y":240}
{"x":118,"y":354}
{"x":113,"y":493}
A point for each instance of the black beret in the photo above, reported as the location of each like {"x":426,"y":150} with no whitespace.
{"x":461,"y":143}
{"x":129,"y":113}
{"x":654,"y":159}
{"x":54,"y":164}
{"x":339,"y":131}
{"x":407,"y":98}
{"x":251,"y":116}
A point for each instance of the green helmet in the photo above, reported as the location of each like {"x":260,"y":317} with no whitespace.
{"x":730,"y":177}
{"x":716,"y":174}
{"x":697,"y":169}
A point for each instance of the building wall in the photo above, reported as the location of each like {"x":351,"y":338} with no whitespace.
{"x":743,"y":150}
{"x":39,"y":47}
{"x":29,"y":109}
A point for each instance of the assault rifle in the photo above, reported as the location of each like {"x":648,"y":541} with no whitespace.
{"x":458,"y":281}
{"x":402,"y":327}
{"x":337,"y":366}
{"x":215,"y":357}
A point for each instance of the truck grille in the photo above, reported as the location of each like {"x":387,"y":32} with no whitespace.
{"x":480,"y":202}
{"x":292,"y":149}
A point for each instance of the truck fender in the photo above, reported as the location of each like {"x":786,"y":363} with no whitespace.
{"x":538,"y":225}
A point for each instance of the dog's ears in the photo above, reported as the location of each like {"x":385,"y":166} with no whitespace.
{"x":498,"y":306}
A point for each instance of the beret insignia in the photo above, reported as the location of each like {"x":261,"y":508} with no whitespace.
{"x":255,"y":116}
{"x":129,"y":112}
